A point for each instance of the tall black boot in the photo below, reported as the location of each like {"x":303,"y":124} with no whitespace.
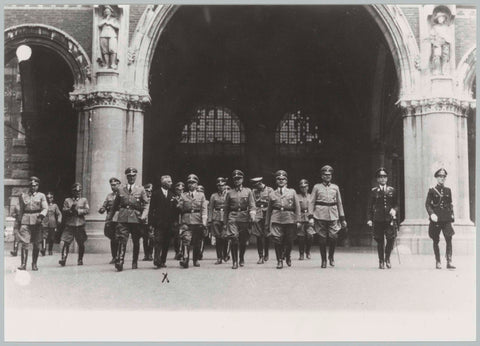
{"x":436,"y":251}
{"x":145,"y":248}
{"x":260,"y":250}
{"x":331,"y":251}
{"x":50,"y":248}
{"x":243,"y":247}
{"x":113,"y":250}
{"x":150,"y":249}
{"x":266,"y":242}
{"x":24,"y":253}
{"x":308,"y":246}
{"x":448,"y":253}
{"x":156,"y":255}
{"x":186,"y":256}
{"x":136,"y":250}
{"x":323,"y":254}
{"x":81,"y":251}
{"x":177,"y":246}
{"x":122,"y":249}
{"x":219,"y":250}
{"x":35,"y":253}
{"x":279,"y":255}
{"x":65,"y":250}
{"x":44,"y":246}
{"x":15,"y":248}
{"x":196,"y":254}
{"x":288,"y":252}
{"x":226,"y":250}
{"x":234,"y":250}
{"x":200,"y":250}
{"x":388,"y":251}
{"x":301,"y":248}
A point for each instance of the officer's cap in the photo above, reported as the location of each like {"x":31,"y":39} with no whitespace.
{"x":34,"y":180}
{"x":256,"y":180}
{"x":131,"y":171}
{"x":76,"y":187}
{"x":192,"y":178}
{"x":441,"y":171}
{"x":381,"y":172}
{"x":221,"y":181}
{"x":237,"y":173}
{"x":200,"y":188}
{"x":148,"y":186}
{"x":114,"y":180}
{"x":49,"y":193}
{"x":303,"y":183}
{"x":180,"y":183}
{"x":326,"y":169}
{"x":281,"y":173}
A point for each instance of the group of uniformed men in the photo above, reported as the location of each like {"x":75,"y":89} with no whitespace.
{"x":230,"y":216}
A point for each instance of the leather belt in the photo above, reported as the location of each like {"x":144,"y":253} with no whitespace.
{"x":326,"y":204}
{"x":218,"y":209}
{"x":192,"y":211}
{"x":282,"y":209}
{"x":261,"y":205}
{"x":305,"y":211}
{"x":130,"y":207}
{"x":239,"y":209}
{"x":32,"y":211}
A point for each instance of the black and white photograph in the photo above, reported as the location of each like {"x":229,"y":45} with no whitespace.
{"x":239,"y":172}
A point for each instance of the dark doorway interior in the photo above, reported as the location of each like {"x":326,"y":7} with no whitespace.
{"x":311,"y":85}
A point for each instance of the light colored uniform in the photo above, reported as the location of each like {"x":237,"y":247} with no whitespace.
{"x":327,"y":207}
{"x":31,"y":206}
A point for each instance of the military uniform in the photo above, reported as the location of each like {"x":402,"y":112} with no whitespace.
{"x":216,"y":217}
{"x":439,"y":202}
{"x":50,"y":224}
{"x":381,"y":202}
{"x":283,"y":214}
{"x":305,"y":231}
{"x":327,"y":207}
{"x":74,"y":211}
{"x":177,"y":243}
{"x":33,"y":208}
{"x":16,"y":229}
{"x":110,"y":220}
{"x":259,"y":230}
{"x":131,"y":203}
{"x":147,"y":235}
{"x":194,"y":214}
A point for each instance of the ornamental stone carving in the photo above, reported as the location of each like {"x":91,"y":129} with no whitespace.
{"x":85,"y":101}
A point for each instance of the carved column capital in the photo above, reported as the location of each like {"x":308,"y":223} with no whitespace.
{"x":436,"y":105}
{"x":95,"y":99}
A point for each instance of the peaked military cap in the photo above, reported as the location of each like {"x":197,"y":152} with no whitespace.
{"x":221,"y":181}
{"x":381,"y":171}
{"x":200,"y":188}
{"x":237,"y":173}
{"x":113,"y":179}
{"x":76,"y":187}
{"x":131,"y":171}
{"x":192,"y":177}
{"x":256,"y":180}
{"x":34,"y":180}
{"x":303,"y":182}
{"x":441,"y":171}
{"x":180,"y":183}
{"x":148,"y":186}
{"x":281,"y":173}
{"x":326,"y":169}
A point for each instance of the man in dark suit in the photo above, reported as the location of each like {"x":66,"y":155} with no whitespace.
{"x":161,"y":217}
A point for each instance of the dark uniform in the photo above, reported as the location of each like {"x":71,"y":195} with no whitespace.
{"x":328,"y":215}
{"x":216,"y":217}
{"x":32,"y":209}
{"x":111,"y":221}
{"x":131,"y":203}
{"x":240,"y":210}
{"x":381,"y":204}
{"x":147,"y":235}
{"x":439,"y":203}
{"x":193,"y":209}
{"x":74,"y":210}
{"x":50,"y":224}
{"x":261,"y":193}
{"x":305,"y":231}
{"x":283,"y":215}
{"x":177,"y":243}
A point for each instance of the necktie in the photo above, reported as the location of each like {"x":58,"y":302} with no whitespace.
{"x":165,"y":192}
{"x":129,"y":188}
{"x":281,"y":191}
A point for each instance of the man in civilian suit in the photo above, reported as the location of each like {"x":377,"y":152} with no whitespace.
{"x":161,"y":217}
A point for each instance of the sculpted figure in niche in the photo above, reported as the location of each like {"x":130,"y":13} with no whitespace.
{"x":441,"y":41}
{"x":108,"y":27}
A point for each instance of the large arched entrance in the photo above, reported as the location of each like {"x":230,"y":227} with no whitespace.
{"x":310,"y":85}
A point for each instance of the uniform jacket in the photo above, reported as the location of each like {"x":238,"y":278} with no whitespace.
{"x":240,"y":205}
{"x":75,"y":217}
{"x":327,"y":194}
{"x":130,"y":206}
{"x":261,"y":202}
{"x":380,"y":202}
{"x":440,"y":203}
{"x":54,"y":216}
{"x":216,"y":207}
{"x":193,"y":209}
{"x":283,"y":208}
{"x":108,"y":204}
{"x":305,"y":206}
{"x":32,"y":205}
{"x":162,"y":210}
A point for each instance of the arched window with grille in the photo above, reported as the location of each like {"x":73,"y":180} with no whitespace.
{"x":297,"y":132}
{"x":213,"y":130}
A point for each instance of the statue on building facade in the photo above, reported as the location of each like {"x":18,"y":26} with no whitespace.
{"x":108,"y":32}
{"x":441,"y":42}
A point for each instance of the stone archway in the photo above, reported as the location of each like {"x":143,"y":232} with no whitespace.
{"x":466,"y":74}
{"x":55,"y":39}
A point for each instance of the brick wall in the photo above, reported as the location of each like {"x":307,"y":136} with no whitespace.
{"x":412,"y":15}
{"x":75,"y":20}
{"x":465,"y":31}
{"x":136,"y":12}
